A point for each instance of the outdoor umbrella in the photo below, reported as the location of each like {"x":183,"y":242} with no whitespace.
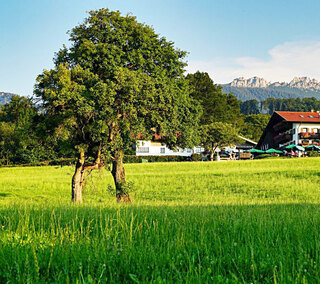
{"x":313,"y":147}
{"x":300,"y":148}
{"x":269,"y":151}
{"x":256,"y":151}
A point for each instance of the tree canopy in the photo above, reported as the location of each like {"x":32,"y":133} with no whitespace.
{"x":217,"y":135}
{"x":216,"y":105}
{"x":118,"y":80}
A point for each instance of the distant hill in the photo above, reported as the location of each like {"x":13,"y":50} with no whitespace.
{"x":5,"y":97}
{"x":260,"y":89}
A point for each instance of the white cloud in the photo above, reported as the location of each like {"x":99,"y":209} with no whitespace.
{"x":286,"y":61}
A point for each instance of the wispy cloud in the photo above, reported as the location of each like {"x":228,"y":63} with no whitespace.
{"x":285,"y":61}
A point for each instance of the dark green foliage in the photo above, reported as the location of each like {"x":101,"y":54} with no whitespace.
{"x":313,"y":154}
{"x":250,"y":107}
{"x":262,"y":94}
{"x":307,"y":104}
{"x":216,"y":105}
{"x":196,"y":157}
{"x":255,"y":125}
{"x":128,"y":159}
{"x":273,"y":104}
{"x":19,"y":143}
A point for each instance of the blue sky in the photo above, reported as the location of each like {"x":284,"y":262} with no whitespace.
{"x":274,"y":39}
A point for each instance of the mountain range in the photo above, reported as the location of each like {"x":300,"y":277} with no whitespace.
{"x":256,"y":88}
{"x":5,"y":97}
{"x":260,"y":89}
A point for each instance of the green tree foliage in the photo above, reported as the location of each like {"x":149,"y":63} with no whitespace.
{"x":18,"y":141}
{"x":255,"y":125}
{"x":216,"y":105}
{"x":261,"y":94}
{"x":250,"y":107}
{"x":118,"y":81}
{"x":218,"y":135}
{"x":271,"y":105}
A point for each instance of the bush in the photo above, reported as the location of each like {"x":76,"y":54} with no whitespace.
{"x":196,"y":157}
{"x":262,"y":156}
{"x":313,"y":154}
{"x":138,"y":159}
{"x":60,"y":162}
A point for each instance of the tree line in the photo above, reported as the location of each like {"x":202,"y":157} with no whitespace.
{"x":270,"y":105}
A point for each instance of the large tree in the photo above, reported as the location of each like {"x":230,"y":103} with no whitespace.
{"x":118,"y":80}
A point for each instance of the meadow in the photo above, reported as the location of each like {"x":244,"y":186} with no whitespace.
{"x":193,"y":222}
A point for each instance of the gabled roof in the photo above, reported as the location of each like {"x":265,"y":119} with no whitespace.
{"x":299,"y":116}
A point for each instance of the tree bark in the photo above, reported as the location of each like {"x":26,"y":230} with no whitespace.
{"x":77,"y":180}
{"x":212,"y":152}
{"x":119,"y":177}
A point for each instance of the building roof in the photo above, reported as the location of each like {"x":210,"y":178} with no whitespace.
{"x":299,"y":116}
{"x":247,"y":140}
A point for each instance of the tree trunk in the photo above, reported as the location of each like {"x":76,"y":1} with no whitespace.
{"x":212,"y":152}
{"x":211,"y":155}
{"x":77,"y":180}
{"x":119,"y":177}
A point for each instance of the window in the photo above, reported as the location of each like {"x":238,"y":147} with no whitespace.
{"x":162,"y":150}
{"x":198,"y":149}
{"x":315,"y":130}
{"x":189,"y":150}
{"x":143,"y":150}
{"x":304,"y":129}
{"x":311,"y":116}
{"x":301,"y":115}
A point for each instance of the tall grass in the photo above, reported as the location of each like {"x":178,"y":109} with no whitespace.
{"x":254,"y":221}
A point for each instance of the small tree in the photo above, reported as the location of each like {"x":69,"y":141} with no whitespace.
{"x":118,"y":80}
{"x":217,"y":135}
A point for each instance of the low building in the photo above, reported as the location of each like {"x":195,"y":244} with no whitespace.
{"x":154,"y":148}
{"x":290,"y":127}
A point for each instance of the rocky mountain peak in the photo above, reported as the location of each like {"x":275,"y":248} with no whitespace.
{"x":254,"y":82}
{"x":303,"y":83}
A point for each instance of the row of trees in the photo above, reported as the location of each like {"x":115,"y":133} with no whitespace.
{"x":117,"y":81}
{"x":270,"y":105}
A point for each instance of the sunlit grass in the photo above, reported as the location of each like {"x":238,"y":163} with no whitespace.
{"x":246,"y":221}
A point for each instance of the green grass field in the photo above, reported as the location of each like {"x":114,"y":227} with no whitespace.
{"x":194,"y":222}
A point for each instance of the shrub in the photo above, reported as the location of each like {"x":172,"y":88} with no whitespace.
{"x":138,"y":159}
{"x":313,"y":154}
{"x":196,"y":157}
{"x":60,"y":162}
{"x":262,"y":156}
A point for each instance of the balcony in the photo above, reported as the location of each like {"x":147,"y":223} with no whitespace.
{"x":281,"y":126}
{"x":309,"y":135}
{"x":282,"y":137}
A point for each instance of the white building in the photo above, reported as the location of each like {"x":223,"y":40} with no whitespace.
{"x":150,"y":148}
